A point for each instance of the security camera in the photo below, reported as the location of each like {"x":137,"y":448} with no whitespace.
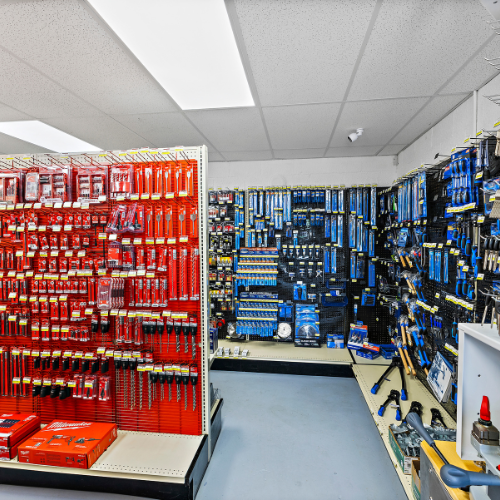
{"x":352,"y":137}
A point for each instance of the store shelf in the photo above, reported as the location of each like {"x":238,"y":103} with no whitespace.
{"x":366,"y":376}
{"x":136,"y":455}
{"x":359,"y":360}
{"x":280,"y":351}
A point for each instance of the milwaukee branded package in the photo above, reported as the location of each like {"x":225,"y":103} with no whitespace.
{"x":16,"y":426}
{"x":68,"y":444}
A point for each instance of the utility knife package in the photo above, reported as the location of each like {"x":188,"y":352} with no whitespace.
{"x":68,"y":444}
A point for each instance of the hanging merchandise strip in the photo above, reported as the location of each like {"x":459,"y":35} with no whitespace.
{"x":100,"y":277}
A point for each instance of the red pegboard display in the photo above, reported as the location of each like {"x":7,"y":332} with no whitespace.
{"x":49,"y":297}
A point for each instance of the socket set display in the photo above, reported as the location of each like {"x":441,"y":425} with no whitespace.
{"x":100,"y":289}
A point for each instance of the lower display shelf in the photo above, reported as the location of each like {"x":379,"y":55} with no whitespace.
{"x":281,"y":351}
{"x":367,"y":375}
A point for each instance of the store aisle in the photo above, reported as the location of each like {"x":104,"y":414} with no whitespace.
{"x":287,"y":437}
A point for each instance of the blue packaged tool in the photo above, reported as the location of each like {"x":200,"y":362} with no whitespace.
{"x":303,"y":288}
{"x":445,"y":267}
{"x":371,"y":273}
{"x":335,"y":199}
{"x":373,"y":206}
{"x":341,"y":204}
{"x":359,"y":232}
{"x":437,"y":267}
{"x":340,"y":230}
{"x":360,"y":267}
{"x":364,"y":232}
{"x":333,"y":233}
{"x":366,"y":205}
{"x":326,"y":259}
{"x":334,"y":260}
{"x":352,"y":231}
{"x":371,"y":243}
{"x":328,"y":227}
{"x":353,"y":265}
{"x":296,"y":292}
{"x":359,"y":202}
{"x":431,"y":264}
{"x":352,"y":201}
{"x":328,"y":201}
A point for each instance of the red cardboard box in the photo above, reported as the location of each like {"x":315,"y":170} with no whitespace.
{"x":16,"y":426}
{"x":10,"y":453}
{"x":68,"y":444}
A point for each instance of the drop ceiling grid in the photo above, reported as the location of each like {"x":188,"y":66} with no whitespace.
{"x":82,"y":56}
{"x":405,"y":34}
{"x":297,"y":59}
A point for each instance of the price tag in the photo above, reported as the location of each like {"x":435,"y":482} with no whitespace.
{"x":113,"y":237}
{"x":137,"y":241}
{"x":102,"y":236}
{"x":67,"y":204}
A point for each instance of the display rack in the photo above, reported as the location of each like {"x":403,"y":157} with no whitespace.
{"x":162,"y":462}
{"x":367,"y":375}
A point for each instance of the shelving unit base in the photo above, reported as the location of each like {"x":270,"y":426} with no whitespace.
{"x":280,"y":357}
{"x":367,"y":375}
{"x":161,"y":466}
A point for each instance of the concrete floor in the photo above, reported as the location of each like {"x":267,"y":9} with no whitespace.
{"x":284,"y":437}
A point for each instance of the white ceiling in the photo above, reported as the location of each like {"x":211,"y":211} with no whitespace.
{"x":317,"y":69}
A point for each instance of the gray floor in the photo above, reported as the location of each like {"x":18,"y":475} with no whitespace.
{"x":284,"y":437}
{"x":287,"y":437}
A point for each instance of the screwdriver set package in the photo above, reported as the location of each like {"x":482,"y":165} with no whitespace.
{"x":101,"y":282}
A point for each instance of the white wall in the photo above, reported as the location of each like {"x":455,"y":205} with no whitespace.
{"x":317,"y":171}
{"x":452,"y":130}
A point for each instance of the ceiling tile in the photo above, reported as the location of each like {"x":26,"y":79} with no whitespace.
{"x":299,"y":153}
{"x":380,"y":120}
{"x":353,"y":151}
{"x":27,"y":90}
{"x":66,"y":42}
{"x":238,"y":129}
{"x":475,"y":74}
{"x":8,"y":114}
{"x":247,"y":155}
{"x":415,"y":47}
{"x":429,"y":116}
{"x":292,"y":43}
{"x":12,"y":145}
{"x":164,"y":130}
{"x":101,"y":131}
{"x":391,"y":149}
{"x":215,"y":156}
{"x":297,"y":127}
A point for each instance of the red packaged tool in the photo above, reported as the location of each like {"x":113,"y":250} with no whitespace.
{"x":34,"y":306}
{"x":121,"y":182}
{"x":163,"y":292}
{"x":55,"y":184}
{"x":16,"y":426}
{"x":141,"y":259}
{"x":139,"y":292}
{"x":178,"y":180}
{"x":11,"y":184}
{"x":147,"y":293}
{"x":148,"y":215}
{"x":32,"y":192}
{"x":168,"y":178}
{"x":148,"y":180}
{"x":63,"y":310}
{"x":63,"y":264}
{"x":45,"y":330}
{"x":69,"y":219}
{"x":92,"y":291}
{"x":42,"y":265}
{"x":128,"y":257}
{"x":194,"y":275}
{"x":115,"y":255}
{"x":76,"y":242}
{"x":33,"y":242}
{"x":78,"y":219}
{"x":74,"y":264}
{"x":82,"y":286}
{"x":138,"y":179}
{"x":189,"y":176}
{"x":172,"y":273}
{"x":44,"y":242}
{"x":54,"y":243}
{"x":118,"y":220}
{"x":59,"y":286}
{"x":151,"y":259}
{"x":64,"y":242}
{"x":35,"y":330}
{"x":104,"y":388}
{"x":169,"y":223}
{"x":163,"y":259}
{"x":51,"y":286}
{"x":55,"y":334}
{"x":42,"y":286}
{"x":158,"y":222}
{"x":183,"y":274}
{"x":104,"y":293}
{"x":68,"y":443}
{"x":10,"y":258}
{"x":91,"y":183}
{"x":53,"y":265}
{"x":155,"y":292}
{"x":54,"y":309}
{"x":182,"y":220}
{"x":193,"y":222}
{"x":158,"y":180}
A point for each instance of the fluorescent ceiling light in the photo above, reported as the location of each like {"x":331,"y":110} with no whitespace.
{"x":187,"y":45}
{"x":45,"y":136}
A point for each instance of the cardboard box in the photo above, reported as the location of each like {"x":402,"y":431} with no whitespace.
{"x":415,"y":479}
{"x":404,"y":461}
{"x":14,"y":427}
{"x":68,"y":444}
{"x":10,"y":453}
